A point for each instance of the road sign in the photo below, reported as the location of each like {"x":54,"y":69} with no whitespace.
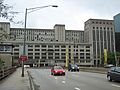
{"x":23,"y":58}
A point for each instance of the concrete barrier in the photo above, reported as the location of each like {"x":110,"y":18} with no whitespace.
{"x":94,"y":69}
{"x":33,"y":83}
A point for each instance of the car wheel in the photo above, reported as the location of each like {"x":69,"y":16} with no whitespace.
{"x":53,"y":74}
{"x":109,"y":78}
{"x":64,"y":74}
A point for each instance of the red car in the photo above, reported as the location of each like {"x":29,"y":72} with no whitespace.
{"x":57,"y":70}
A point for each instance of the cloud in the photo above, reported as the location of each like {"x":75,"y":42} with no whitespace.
{"x":72,"y":13}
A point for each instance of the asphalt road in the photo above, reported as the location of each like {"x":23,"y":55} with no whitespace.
{"x":72,"y":81}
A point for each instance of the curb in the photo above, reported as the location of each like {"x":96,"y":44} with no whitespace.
{"x":33,"y":84}
{"x":95,"y":70}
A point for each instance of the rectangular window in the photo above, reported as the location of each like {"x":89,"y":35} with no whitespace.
{"x":37,"y":53}
{"x":30,"y":49}
{"x":37,"y":49}
{"x":37,"y":45}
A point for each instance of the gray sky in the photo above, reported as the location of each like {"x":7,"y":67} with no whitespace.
{"x":72,"y":13}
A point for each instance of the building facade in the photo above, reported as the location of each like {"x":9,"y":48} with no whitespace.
{"x":117,"y":31}
{"x":48,"y":46}
{"x":117,"y":22}
{"x":100,"y":33}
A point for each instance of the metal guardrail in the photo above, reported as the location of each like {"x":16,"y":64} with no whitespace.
{"x":5,"y":72}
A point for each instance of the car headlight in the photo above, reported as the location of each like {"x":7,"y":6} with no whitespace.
{"x":73,"y":67}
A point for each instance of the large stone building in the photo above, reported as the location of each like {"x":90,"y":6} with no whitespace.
{"x":49,"y":46}
{"x":100,"y":33}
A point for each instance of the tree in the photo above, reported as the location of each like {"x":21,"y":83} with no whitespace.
{"x":111,"y":58}
{"x":7,"y":13}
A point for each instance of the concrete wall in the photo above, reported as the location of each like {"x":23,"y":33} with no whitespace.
{"x":7,"y":58}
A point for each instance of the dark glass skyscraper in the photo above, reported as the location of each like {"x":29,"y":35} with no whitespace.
{"x":117,"y":31}
{"x":117,"y":22}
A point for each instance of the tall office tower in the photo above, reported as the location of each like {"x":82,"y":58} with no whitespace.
{"x":117,"y":31}
{"x":117,"y":22}
{"x":99,"y":33}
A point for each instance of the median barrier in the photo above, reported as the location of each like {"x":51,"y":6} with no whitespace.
{"x":94,"y":69}
{"x":33,"y":83}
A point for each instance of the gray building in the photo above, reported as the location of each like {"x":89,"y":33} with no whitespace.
{"x":100,"y":33}
{"x":48,"y":46}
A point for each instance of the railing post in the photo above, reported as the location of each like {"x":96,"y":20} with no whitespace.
{"x":3,"y":72}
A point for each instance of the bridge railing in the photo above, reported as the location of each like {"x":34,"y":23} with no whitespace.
{"x":5,"y":72}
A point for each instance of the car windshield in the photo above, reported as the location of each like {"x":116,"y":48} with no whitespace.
{"x":58,"y":67}
{"x":74,"y":65}
{"x":118,"y":69}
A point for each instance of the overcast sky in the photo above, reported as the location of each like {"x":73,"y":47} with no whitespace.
{"x":72,"y":13}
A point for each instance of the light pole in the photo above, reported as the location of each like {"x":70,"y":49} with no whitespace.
{"x":26,"y":11}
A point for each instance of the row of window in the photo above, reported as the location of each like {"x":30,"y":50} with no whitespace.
{"x":107,"y":23}
{"x":103,"y":28}
{"x":56,"y":46}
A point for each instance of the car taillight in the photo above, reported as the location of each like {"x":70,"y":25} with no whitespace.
{"x":56,"y":71}
{"x":63,"y":71}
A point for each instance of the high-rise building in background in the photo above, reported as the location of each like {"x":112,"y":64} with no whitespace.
{"x":117,"y":31}
{"x":117,"y":22}
{"x":100,"y":33}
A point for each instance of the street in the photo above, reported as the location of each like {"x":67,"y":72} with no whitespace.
{"x":72,"y":81}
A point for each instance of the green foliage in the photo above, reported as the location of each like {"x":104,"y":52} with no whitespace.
{"x":117,"y":53}
{"x":111,"y":58}
{"x":7,"y":13}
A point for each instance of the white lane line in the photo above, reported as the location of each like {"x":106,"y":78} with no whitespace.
{"x":55,"y":77}
{"x":115,"y":85}
{"x":76,"y":88}
{"x":63,"y":81}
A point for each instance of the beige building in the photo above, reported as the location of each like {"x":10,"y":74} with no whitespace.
{"x":101,"y":34}
{"x":48,"y":46}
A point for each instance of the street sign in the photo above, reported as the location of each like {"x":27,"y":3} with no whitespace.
{"x":23,"y":58}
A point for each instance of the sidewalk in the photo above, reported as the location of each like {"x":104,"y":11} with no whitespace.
{"x":15,"y":81}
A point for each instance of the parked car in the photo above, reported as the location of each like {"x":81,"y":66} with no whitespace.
{"x":57,"y":70}
{"x":109,"y":66}
{"x":73,"y":67}
{"x":113,"y":74}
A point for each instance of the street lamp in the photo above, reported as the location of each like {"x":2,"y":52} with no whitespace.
{"x":26,"y":11}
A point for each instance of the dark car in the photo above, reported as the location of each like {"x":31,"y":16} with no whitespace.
{"x":113,"y":74}
{"x":73,"y":67}
{"x":57,"y":70}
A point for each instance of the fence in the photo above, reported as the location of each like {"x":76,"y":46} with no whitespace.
{"x":5,"y":72}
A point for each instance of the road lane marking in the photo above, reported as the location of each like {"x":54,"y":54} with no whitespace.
{"x":63,"y":81}
{"x":115,"y":85}
{"x":76,"y":88}
{"x":55,"y":77}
